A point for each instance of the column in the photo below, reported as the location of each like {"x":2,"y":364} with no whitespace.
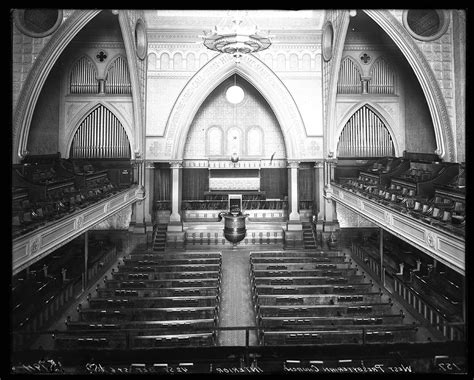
{"x":293,"y":191}
{"x":101,"y":86}
{"x":365,"y":84}
{"x":175,"y":236}
{"x":319,"y":175}
{"x":86,"y":259}
{"x":293,"y":235}
{"x":148,"y":203}
{"x":330,"y":217}
{"x":382,"y":277}
{"x":176,"y":190}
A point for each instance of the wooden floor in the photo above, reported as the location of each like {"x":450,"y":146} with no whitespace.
{"x":236,"y":303}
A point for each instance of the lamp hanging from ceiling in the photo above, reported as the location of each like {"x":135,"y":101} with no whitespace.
{"x":236,"y":35}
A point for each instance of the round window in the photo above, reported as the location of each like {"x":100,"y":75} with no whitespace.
{"x":426,"y":24}
{"x":327,"y":41}
{"x":38,"y":22}
{"x":140,"y":39}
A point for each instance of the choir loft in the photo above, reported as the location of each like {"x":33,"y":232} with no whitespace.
{"x":262,"y":191}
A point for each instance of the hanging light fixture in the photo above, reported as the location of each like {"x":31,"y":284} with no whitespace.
{"x":236,"y":36}
{"x":234,"y":95}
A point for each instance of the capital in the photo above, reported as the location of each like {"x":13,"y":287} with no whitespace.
{"x":293,"y":164}
{"x":318,"y":164}
{"x":176,"y":164}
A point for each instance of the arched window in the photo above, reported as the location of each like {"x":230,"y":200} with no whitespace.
{"x":118,"y":77}
{"x":349,"y":78}
{"x":190,"y":62}
{"x":152,"y":61}
{"x":254,"y":141}
{"x":365,"y":135}
{"x":382,"y":78}
{"x":214,"y":141}
{"x":83,"y":78}
{"x":100,"y":135}
{"x":178,"y":61}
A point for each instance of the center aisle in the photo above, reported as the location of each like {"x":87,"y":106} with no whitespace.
{"x":236,"y":308}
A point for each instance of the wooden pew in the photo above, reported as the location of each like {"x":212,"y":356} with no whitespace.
{"x":159,"y":292}
{"x":169,"y":268}
{"x":305,"y":273}
{"x":310,"y":321}
{"x":146,"y":255}
{"x":307,"y":280}
{"x":152,"y":302}
{"x":314,"y":289}
{"x":134,"y":261}
{"x":160,"y":326}
{"x":318,"y":299}
{"x":366,"y":309}
{"x":297,"y":253}
{"x":124,"y":276}
{"x":379,"y":334}
{"x":176,"y":340}
{"x":146,"y":314}
{"x":285,"y":259}
{"x":168,"y":283}
{"x":123,"y":341}
{"x":299,"y":265}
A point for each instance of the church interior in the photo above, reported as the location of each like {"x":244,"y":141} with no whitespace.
{"x":238,"y":192}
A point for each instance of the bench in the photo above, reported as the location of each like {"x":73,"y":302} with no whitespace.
{"x":304,"y":322}
{"x":323,"y":310}
{"x":317,"y":299}
{"x":152,"y":302}
{"x":159,"y":292}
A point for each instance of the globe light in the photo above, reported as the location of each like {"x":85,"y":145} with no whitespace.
{"x":234,"y":94}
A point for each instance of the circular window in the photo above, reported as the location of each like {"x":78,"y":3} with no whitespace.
{"x":38,"y":22}
{"x":426,"y":24}
{"x":327,"y":41}
{"x":140,"y":39}
{"x":234,"y":94}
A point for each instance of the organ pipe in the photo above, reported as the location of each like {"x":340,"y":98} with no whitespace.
{"x":349,"y":81}
{"x":383,"y":78}
{"x":83,"y":79}
{"x":100,"y":135}
{"x":118,"y":78}
{"x":365,"y":135}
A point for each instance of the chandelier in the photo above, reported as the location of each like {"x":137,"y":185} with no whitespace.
{"x":236,"y":37}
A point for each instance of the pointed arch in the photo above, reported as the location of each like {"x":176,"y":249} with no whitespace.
{"x":209,"y":77}
{"x":383,"y":77}
{"x":83,"y":77}
{"x":350,"y":74}
{"x":112,"y":112}
{"x":379,"y":113}
{"x":38,"y":74}
{"x":117,"y":76}
{"x":445,"y":141}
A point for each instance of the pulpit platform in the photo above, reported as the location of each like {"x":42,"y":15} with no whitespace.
{"x":211,"y":233}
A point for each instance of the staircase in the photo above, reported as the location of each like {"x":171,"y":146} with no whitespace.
{"x":308,"y":237}
{"x":159,"y":244}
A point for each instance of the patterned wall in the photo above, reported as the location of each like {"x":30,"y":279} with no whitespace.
{"x":240,"y":126}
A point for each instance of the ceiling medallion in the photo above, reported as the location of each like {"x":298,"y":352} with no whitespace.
{"x":236,"y":36}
